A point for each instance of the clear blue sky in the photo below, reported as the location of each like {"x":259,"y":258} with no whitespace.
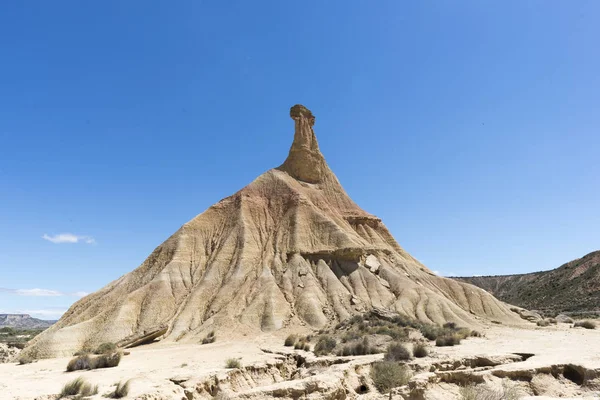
{"x":472,"y":129}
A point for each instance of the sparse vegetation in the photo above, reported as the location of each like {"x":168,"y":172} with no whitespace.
{"x":290,"y":340}
{"x":88,"y":362}
{"x":106,"y":348}
{"x":78,"y":387}
{"x":387,"y":375}
{"x":233,"y":363}
{"x":448,"y":340}
{"x":359,"y":348}
{"x":585,"y":324}
{"x":79,"y":363}
{"x":420,"y":350}
{"x":485,"y":392}
{"x":397,"y":352}
{"x":25,"y":360}
{"x":476,"y":334}
{"x":121,"y":390}
{"x":16,"y":336}
{"x":543,"y":322}
{"x":210,"y":338}
{"x":325,"y":345}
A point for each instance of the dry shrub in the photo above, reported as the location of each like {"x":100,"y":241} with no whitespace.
{"x":485,"y":392}
{"x":324,"y":345}
{"x":121,"y":390}
{"x":387,"y":375}
{"x":543,"y":322}
{"x":450,"y":325}
{"x":476,"y":334}
{"x":358,"y":349}
{"x":585,"y":324}
{"x":106,"y":348}
{"x":210,"y":338}
{"x":290,"y":340}
{"x":306,"y":347}
{"x":107,"y":360}
{"x":78,"y":387}
{"x":448,"y":340}
{"x":420,"y":350}
{"x":87,"y":362}
{"x":397,"y":352}
{"x":233,"y":363}
{"x":79,"y":363}
{"x":25,"y":360}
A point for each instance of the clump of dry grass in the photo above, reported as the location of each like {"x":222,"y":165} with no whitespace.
{"x":359,"y":348}
{"x":78,"y":387}
{"x":485,"y":392}
{"x":25,"y":360}
{"x":106,"y":348}
{"x":87,"y":362}
{"x":585,"y":324}
{"x":397,"y":352}
{"x":543,"y":323}
{"x":210,"y":338}
{"x":233,"y":363}
{"x":290,"y":340}
{"x":121,"y":390}
{"x":448,"y":340}
{"x":420,"y":350}
{"x":387,"y":375}
{"x":325,"y":345}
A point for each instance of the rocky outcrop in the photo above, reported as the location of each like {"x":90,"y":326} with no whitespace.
{"x":8,"y":353}
{"x":23,"y":321}
{"x":291,"y":249}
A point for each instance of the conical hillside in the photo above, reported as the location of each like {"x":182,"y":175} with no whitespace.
{"x":289,"y":249}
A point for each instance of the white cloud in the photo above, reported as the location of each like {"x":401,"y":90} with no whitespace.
{"x":437,"y":272}
{"x":68,"y":238}
{"x":42,"y":292}
{"x":37,"y":292}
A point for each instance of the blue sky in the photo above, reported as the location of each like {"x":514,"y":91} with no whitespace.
{"x":470,"y":128}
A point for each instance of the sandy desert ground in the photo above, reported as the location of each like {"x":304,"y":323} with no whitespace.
{"x":560,"y":354}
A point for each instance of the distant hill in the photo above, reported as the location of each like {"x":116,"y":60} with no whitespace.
{"x":23,"y":321}
{"x":574,"y":286}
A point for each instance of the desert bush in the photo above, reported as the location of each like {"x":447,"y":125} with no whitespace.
{"x":476,"y":334}
{"x":543,"y":322}
{"x":485,"y":392}
{"x":306,"y":347}
{"x":552,"y":321}
{"x":87,"y":362}
{"x":78,"y":387}
{"x":387,"y":375}
{"x":233,"y":363}
{"x":420,"y":350}
{"x":106,"y":348}
{"x":25,"y":360}
{"x":324,"y":345}
{"x":210,"y":338}
{"x":107,"y":360}
{"x":290,"y":340}
{"x":463,"y":333}
{"x":450,"y":325}
{"x":358,"y":349}
{"x":396,"y":352}
{"x":299,"y":345}
{"x":447,"y":340}
{"x":79,"y":363}
{"x":121,"y":390}
{"x":585,"y":324}
{"x":431,"y":332}
{"x":83,"y":352}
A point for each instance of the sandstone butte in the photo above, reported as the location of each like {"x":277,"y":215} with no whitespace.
{"x":290,"y":250}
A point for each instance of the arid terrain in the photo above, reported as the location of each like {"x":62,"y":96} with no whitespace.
{"x":288,"y":289}
{"x":572,"y":287}
{"x":556,"y":362}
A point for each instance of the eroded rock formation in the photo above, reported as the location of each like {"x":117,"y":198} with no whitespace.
{"x":289,"y":249}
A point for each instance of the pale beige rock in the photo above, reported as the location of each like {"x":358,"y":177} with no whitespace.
{"x":291,"y":249}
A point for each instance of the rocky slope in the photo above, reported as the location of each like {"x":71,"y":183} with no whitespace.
{"x":23,"y":321}
{"x":574,"y":286}
{"x":290,"y":249}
